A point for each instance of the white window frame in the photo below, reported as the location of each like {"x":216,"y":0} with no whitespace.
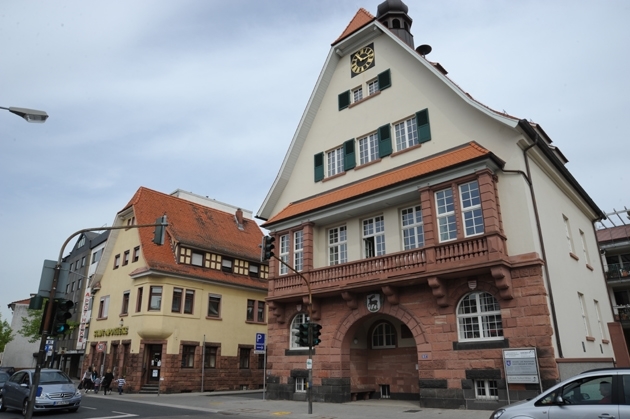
{"x":470,"y":203}
{"x":585,"y":320}
{"x":335,"y":161}
{"x":297,"y":320}
{"x":337,"y":245}
{"x":300,"y":385}
{"x":587,"y":257}
{"x":284,"y":254}
{"x":567,"y":230}
{"x":368,"y":148}
{"x":298,"y":250}
{"x":406,"y":133}
{"x":372,"y":86}
{"x":357,"y":94}
{"x":482,"y":319}
{"x":488,"y":388}
{"x":373,"y":236}
{"x":387,"y":333}
{"x":446,"y":219}
{"x":412,"y":226}
{"x":103,"y":307}
{"x":599,"y":319}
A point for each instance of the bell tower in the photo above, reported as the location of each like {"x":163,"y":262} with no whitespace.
{"x":393,"y":14}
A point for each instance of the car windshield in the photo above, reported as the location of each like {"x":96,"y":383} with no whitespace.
{"x":54,"y":377}
{"x":3,"y":377}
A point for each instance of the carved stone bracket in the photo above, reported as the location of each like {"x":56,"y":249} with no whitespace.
{"x":439,"y":290}
{"x":392,"y":294}
{"x":278,"y":311}
{"x":351,"y":299}
{"x":316,"y":313}
{"x":503,"y":281}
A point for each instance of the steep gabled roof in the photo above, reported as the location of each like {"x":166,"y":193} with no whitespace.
{"x":468,"y":152}
{"x":196,"y":226}
{"x":362,"y":18}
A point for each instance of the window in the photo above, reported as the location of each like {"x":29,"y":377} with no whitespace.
{"x":599,"y":321}
{"x":241,"y":267}
{"x":189,"y":302}
{"x":125,"y":303}
{"x":567,"y":231}
{"x":284,"y":254}
{"x":486,"y":390}
{"x":298,"y":251}
{"x":383,"y":336}
{"x":139,"y":301}
{"x":374,"y":237}
{"x":103,"y":307}
{"x":471,"y":208}
{"x":210,"y":357}
{"x":72,"y":287}
{"x":136,"y":254}
{"x":197,"y":259}
{"x":81,"y":242}
{"x":190,"y":257}
{"x":79,"y":283}
{"x":372,"y":87}
{"x":244,"y":358}
{"x":337,"y":245}
{"x":406,"y":134}
{"x":67,"y":288}
{"x":214,"y":305}
{"x":595,"y":390}
{"x":253,"y":271}
{"x":95,"y":256}
{"x":226,"y":265}
{"x":256,"y":308}
{"x":116,"y":261}
{"x":83,"y":261}
{"x":155,"y":299}
{"x":357,"y":94}
{"x":264,"y":271}
{"x":584,"y":248}
{"x":188,"y":356}
{"x":300,"y":385}
{"x":446,"y":215}
{"x":126,"y":258}
{"x":297,"y":321}
{"x":335,"y":161}
{"x":213,"y":261}
{"x":368,"y":148}
{"x":412,"y":227}
{"x":479,"y":317}
{"x":176,"y":306}
{"x":587,"y":327}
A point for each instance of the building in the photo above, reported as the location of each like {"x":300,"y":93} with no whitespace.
{"x":20,"y":353}
{"x":435,"y":233}
{"x":168,"y":315}
{"x":614,"y":244}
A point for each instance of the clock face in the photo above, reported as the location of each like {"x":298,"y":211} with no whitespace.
{"x":362,"y":60}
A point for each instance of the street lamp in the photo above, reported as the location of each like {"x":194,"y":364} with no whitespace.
{"x":30,"y":115}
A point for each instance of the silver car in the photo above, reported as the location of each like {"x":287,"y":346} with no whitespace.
{"x":56,"y":391}
{"x":602,"y":393}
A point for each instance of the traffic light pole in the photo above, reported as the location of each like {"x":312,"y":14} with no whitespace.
{"x":47,"y":319}
{"x":309,"y":389}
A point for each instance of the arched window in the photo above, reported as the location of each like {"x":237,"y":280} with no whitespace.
{"x":396,"y":24}
{"x":297,"y":321}
{"x":479,"y":317}
{"x":383,"y":336}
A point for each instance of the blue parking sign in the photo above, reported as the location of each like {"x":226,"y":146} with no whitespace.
{"x":260,"y":342}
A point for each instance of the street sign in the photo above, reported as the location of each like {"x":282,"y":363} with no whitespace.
{"x":46,"y":279}
{"x":260,"y":343}
{"x":309,"y":364}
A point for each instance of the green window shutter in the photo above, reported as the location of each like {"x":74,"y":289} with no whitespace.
{"x":384,"y":80}
{"x":344,"y":100}
{"x":384,"y":141}
{"x":349,"y":160}
{"x":424,"y":128}
{"x":319,"y":166}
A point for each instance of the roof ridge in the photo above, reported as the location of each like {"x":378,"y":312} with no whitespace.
{"x":360,"y":19}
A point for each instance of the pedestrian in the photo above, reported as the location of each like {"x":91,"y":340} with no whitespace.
{"x":107,"y":381}
{"x":121,"y":384}
{"x":87,"y":380}
{"x":97,"y":384}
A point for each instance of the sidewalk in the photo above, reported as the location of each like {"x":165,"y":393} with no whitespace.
{"x":231,"y":402}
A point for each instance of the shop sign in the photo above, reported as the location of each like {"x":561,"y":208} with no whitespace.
{"x":117,"y":331}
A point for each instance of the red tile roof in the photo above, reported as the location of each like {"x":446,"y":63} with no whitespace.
{"x":380,"y":181}
{"x":196,"y":226}
{"x":362,"y":18}
{"x":613,"y":234}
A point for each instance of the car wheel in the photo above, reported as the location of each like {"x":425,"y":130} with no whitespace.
{"x":73,"y":410}
{"x":2,"y":405}
{"x":24,"y":407}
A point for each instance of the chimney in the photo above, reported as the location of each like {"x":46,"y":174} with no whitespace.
{"x":239,"y":218}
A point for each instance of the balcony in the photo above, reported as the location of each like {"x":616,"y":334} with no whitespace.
{"x":403,"y":268}
{"x":617,"y":271}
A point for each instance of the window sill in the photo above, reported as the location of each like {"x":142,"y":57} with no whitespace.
{"x":101,"y":318}
{"x":253,"y":322}
{"x":213,"y":318}
{"x":368,"y":164}
{"x":590,"y":339}
{"x":358,"y":102}
{"x":482,"y":344}
{"x":123,"y":315}
{"x":326,"y":179}
{"x":605,"y":341}
{"x":589,"y":267}
{"x":574,"y":256}
{"x":413,"y":147}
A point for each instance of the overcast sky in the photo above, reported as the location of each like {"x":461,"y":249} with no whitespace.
{"x":206,"y":95}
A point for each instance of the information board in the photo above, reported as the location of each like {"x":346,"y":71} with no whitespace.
{"x":521,"y":366}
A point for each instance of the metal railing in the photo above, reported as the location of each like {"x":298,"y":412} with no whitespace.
{"x":618,"y":271}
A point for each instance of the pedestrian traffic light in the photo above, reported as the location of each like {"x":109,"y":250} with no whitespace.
{"x":267,"y":248}
{"x":316,"y":333}
{"x":301,"y":335}
{"x":160,"y":228}
{"x":61,"y":315}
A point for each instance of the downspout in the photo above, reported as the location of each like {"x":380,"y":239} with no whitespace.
{"x":528,"y":178}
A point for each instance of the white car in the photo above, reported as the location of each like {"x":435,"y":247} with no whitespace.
{"x":602,"y":393}
{"x":56,"y":391}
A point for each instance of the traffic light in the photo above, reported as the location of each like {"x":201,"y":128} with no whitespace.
{"x":61,"y":315}
{"x":301,"y":334}
{"x":316,"y":333}
{"x":158,"y":233}
{"x":267,"y":248}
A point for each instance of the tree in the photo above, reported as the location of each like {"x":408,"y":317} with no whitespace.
{"x":5,"y":333}
{"x":31,"y":325}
